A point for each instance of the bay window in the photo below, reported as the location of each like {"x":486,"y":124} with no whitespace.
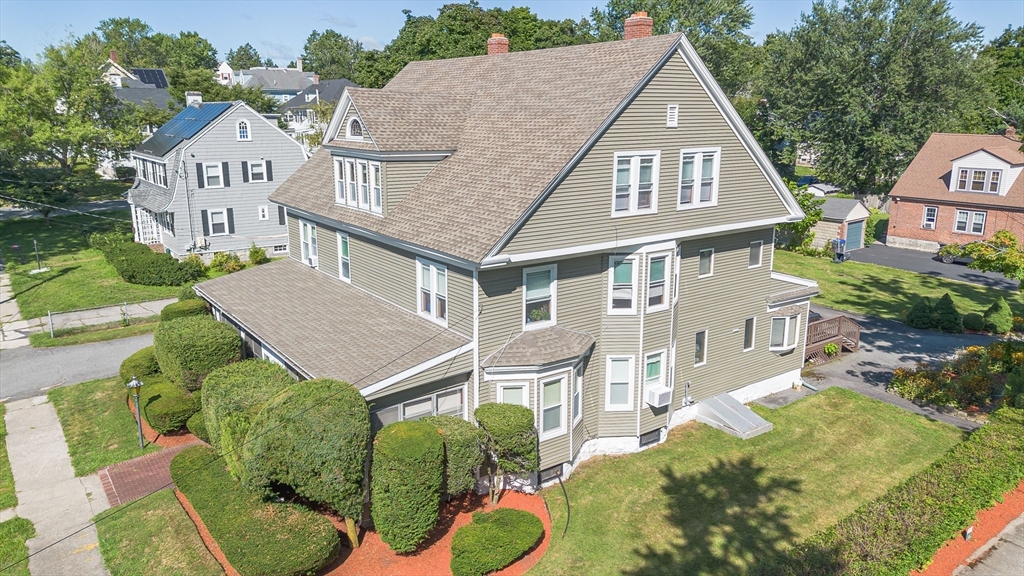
{"x":622,"y":275}
{"x":359,"y":184}
{"x":619,"y":386}
{"x":784,"y":332}
{"x":552,"y":418}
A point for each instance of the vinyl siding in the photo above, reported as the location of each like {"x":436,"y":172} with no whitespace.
{"x":458,"y":368}
{"x":294,"y":251}
{"x":402,"y":177}
{"x":579,"y":210}
{"x":397,"y":397}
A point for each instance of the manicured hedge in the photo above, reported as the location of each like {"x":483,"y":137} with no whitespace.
{"x":902,"y":530}
{"x":141,"y":364}
{"x":463,"y":452}
{"x":187,"y":293}
{"x":511,"y":436}
{"x":947,"y":318}
{"x":493,"y":540}
{"x":314,"y":437}
{"x":189,"y":348}
{"x":973,"y":321}
{"x":197,"y":426}
{"x":232,"y":396}
{"x":998,"y":317}
{"x":183,"y":308}
{"x":258,"y":538}
{"x":138,"y":264}
{"x":165,"y":405}
{"x":405,"y":484}
{"x":921,"y":315}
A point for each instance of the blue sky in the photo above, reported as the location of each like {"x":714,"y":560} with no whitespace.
{"x":279,"y":28}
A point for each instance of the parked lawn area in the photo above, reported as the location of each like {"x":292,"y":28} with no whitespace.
{"x":708,"y":503}
{"x":98,"y":426}
{"x":13,"y":534}
{"x":153,"y":536}
{"x":8,"y":498}
{"x":886,"y":292}
{"x":94,"y":333}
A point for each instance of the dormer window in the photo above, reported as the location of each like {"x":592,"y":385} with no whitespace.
{"x":973,"y":180}
{"x":243,"y":131}
{"x":355,"y":129}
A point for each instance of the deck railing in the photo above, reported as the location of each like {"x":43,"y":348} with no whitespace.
{"x":840,"y":330}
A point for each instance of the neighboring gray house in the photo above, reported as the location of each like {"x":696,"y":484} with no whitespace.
{"x":841,"y":218}
{"x":282,"y":84}
{"x":298,"y":112}
{"x":203,"y":180}
{"x":586,"y":231}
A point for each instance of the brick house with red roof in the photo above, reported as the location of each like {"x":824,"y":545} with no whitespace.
{"x":960,"y":188}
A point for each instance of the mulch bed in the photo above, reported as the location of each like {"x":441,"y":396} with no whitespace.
{"x":162,"y":440}
{"x":208,"y":540}
{"x":989,"y":523}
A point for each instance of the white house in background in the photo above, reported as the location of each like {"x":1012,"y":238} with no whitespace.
{"x":224,"y":74}
{"x":299,"y":114}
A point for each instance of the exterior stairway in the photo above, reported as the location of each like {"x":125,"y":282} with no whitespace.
{"x":730,"y":416}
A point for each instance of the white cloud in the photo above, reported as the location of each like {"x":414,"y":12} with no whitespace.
{"x":343,"y":22}
{"x":370,"y":43}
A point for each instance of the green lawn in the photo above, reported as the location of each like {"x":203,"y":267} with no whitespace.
{"x":799,"y":171}
{"x":99,"y":427}
{"x":13,"y":551}
{"x":708,"y":503}
{"x":106,"y":190}
{"x":95,"y":333}
{"x":79,"y":276}
{"x":153,"y":536}
{"x":877,"y":227}
{"x":886,"y":292}
{"x":8,"y":498}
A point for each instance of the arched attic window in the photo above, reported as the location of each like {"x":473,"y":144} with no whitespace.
{"x":243,"y":131}
{"x":355,"y":129}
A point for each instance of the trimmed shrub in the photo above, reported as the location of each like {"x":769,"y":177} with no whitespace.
{"x":946,"y":315}
{"x":511,"y":440}
{"x":174,"y":310}
{"x":493,"y":540}
{"x":463,"y":451}
{"x":195,"y":261}
{"x":142,"y":363}
{"x":189,"y":348}
{"x":232,"y":396}
{"x":258,"y":538}
{"x":226,"y":262}
{"x":138,"y":264}
{"x":902,"y":530}
{"x":974,"y":322}
{"x":921,"y":315}
{"x":165,"y":406}
{"x":313,"y":437}
{"x":405,"y":484}
{"x":998,"y":317}
{"x":257,"y":255}
{"x":197,"y":426}
{"x":187,"y":292}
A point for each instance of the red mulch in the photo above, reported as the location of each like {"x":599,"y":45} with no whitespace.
{"x":989,"y":523}
{"x":162,"y":440}
{"x":208,"y":540}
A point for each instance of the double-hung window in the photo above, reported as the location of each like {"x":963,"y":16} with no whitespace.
{"x":978,"y":180}
{"x":257,"y":171}
{"x":622,"y":275}
{"x":619,"y":388}
{"x":970,"y":222}
{"x":654,"y":371}
{"x":218,"y":222}
{"x":307,"y":238}
{"x":359,"y":184}
{"x":754,"y":258}
{"x":352,"y":197}
{"x":706,"y":263}
{"x":700,"y":348}
{"x":931,"y":215}
{"x":214,"y":177}
{"x":552,"y":397}
{"x":636,"y":183}
{"x":449,"y":402}
{"x":433,"y":291}
{"x":539,"y":296}
{"x":698,"y":177}
{"x":344,"y":262}
{"x":784,"y":332}
{"x":657,"y":284}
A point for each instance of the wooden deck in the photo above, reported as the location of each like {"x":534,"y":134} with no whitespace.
{"x":841,"y":331}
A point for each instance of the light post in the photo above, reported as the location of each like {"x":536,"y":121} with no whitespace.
{"x":134,"y":386}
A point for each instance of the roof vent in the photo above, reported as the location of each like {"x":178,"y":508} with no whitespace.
{"x":639,"y":25}
{"x":497,"y":44}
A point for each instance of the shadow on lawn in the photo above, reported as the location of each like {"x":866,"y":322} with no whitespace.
{"x":728,"y":518}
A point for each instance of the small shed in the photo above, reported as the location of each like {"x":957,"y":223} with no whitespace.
{"x":842,"y":218}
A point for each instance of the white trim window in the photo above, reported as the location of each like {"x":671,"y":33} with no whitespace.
{"x":706,"y":263}
{"x":514,"y":393}
{"x":654,"y":370}
{"x":270,"y":356}
{"x":263,"y":212}
{"x":700,"y":348}
{"x":754,"y":258}
{"x":218,"y":222}
{"x":635,"y":183}
{"x":432,"y":290}
{"x":658,"y":273}
{"x":243,"y":132}
{"x":622,"y":279}
{"x":213,"y":175}
{"x":970,"y":222}
{"x":577,"y":395}
{"x":618,"y":394}
{"x":359,"y":184}
{"x":749,"y":329}
{"x":930,"y":217}
{"x":344,"y":259}
{"x":540,"y":287}
{"x":698,"y":178}
{"x":979,"y":181}
{"x":307,"y":240}
{"x":450,"y":401}
{"x":785,"y":333}
{"x":552,"y":407}
{"x":258,"y":171}
{"x":354,"y":129}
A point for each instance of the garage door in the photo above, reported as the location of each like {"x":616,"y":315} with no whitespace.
{"x":855,"y":235}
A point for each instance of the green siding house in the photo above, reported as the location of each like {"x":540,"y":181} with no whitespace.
{"x":587,"y":231}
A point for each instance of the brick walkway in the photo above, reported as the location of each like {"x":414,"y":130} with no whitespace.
{"x":133,"y":479}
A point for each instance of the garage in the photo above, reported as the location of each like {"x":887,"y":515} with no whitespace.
{"x":842,"y":218}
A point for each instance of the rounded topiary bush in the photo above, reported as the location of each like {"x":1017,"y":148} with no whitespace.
{"x":232,"y":396}
{"x":946,"y":315}
{"x":183,"y":308}
{"x":313,"y":437}
{"x":189,"y":348}
{"x":974,"y":322}
{"x":999,"y":317}
{"x":463,"y":451}
{"x":921,"y":315}
{"x":142,"y":363}
{"x":165,"y":405}
{"x":511,"y":436}
{"x":197,"y":426}
{"x":187,"y":293}
{"x":493,"y":540}
{"x":406,"y":483}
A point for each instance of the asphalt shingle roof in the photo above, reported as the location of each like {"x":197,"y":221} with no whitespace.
{"x":541,"y":347}
{"x":782,"y":290}
{"x":838,"y":208}
{"x":329,"y":90}
{"x":277,"y":78}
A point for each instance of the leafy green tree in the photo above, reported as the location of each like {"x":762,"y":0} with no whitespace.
{"x":331,"y":55}
{"x":201,"y":80}
{"x":1003,"y":253}
{"x":866,"y":83}
{"x":1006,"y":55}
{"x":8,"y":56}
{"x":244,"y":57}
{"x":128,"y":37}
{"x":190,"y":51}
{"x":793,"y":235}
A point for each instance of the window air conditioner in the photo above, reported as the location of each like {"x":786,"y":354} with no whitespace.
{"x":313,"y":261}
{"x":658,"y":396}
{"x":928,"y":226}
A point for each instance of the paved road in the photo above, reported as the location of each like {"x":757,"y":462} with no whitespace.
{"x":24,"y":372}
{"x":928,"y":263}
{"x":11,"y":212}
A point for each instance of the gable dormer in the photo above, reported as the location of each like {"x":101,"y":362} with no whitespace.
{"x":983,"y":172}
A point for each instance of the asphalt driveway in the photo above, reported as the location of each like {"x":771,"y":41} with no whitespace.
{"x":928,"y":263}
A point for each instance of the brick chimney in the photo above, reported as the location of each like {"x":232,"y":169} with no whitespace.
{"x":497,"y":44}
{"x":113,"y":56}
{"x":639,"y":25}
{"x":1011,"y":132}
{"x":193,"y":98}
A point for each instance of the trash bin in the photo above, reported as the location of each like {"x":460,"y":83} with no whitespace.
{"x":839,"y":250}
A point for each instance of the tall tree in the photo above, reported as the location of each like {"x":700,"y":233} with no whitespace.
{"x":716,"y":28}
{"x":244,"y":57}
{"x":331,"y":55}
{"x":1006,"y":55}
{"x":190,"y":51}
{"x":9,"y":57}
{"x":127,"y":36}
{"x":866,"y":83}
{"x":201,"y":80}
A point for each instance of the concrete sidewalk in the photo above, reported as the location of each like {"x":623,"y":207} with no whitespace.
{"x":57,"y":503}
{"x":1000,"y":556}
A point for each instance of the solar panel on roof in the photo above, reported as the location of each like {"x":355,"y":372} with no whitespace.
{"x":185,"y":125}
{"x":152,"y":76}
